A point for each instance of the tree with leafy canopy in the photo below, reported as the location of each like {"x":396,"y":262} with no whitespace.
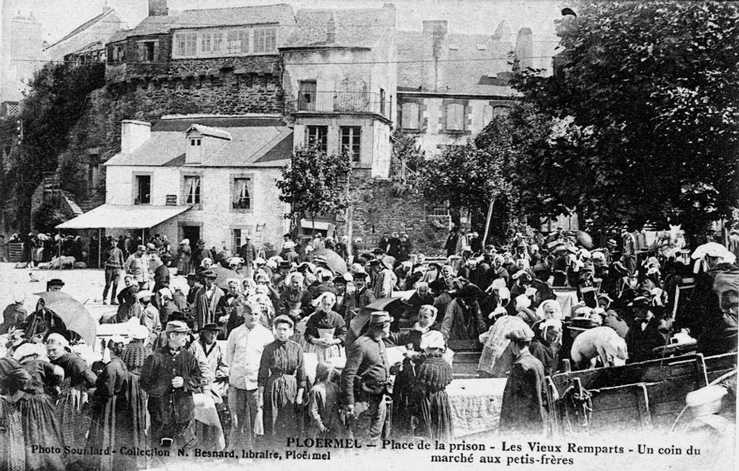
{"x":55,"y":101}
{"x":468,"y":177}
{"x":640,"y":122}
{"x":314,"y":184}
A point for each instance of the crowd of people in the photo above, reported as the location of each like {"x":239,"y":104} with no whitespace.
{"x":243,"y":339}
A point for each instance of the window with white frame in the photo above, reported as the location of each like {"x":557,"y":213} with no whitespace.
{"x":237,"y":41}
{"x":351,"y":141}
{"x":186,"y":44}
{"x":265,"y":40}
{"x":317,"y":137}
{"x":192,"y":189}
{"x":242,"y":193}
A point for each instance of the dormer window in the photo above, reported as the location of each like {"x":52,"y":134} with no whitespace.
{"x":195,"y":141}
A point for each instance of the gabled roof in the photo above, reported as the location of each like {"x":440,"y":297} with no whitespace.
{"x":88,"y":24}
{"x":208,"y":131}
{"x":150,"y":25}
{"x":262,"y":145}
{"x":235,"y":16}
{"x":351,"y":28}
{"x":210,"y":17}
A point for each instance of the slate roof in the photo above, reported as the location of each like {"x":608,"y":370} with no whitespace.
{"x":354,"y":28}
{"x":86,"y":25}
{"x":264,"y":145}
{"x":235,"y":16}
{"x":471,"y":66}
{"x":232,"y":16}
{"x":151,"y":25}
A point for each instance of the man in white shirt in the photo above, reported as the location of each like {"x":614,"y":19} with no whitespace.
{"x":243,"y":355}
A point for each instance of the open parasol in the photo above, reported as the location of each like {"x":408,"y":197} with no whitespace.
{"x":74,"y":314}
{"x":333,"y":260}
{"x":223,"y":275}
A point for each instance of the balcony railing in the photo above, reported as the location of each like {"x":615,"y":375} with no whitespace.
{"x":341,"y":102}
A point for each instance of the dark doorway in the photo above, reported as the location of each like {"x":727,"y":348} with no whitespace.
{"x":193,"y":234}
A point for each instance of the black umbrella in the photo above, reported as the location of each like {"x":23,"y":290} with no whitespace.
{"x":394,"y":306}
{"x":223,"y":275}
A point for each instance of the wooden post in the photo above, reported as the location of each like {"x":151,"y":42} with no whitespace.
{"x":487,"y":222}
{"x":100,"y":246}
{"x":59,"y":248}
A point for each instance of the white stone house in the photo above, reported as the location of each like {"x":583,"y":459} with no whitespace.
{"x":197,"y":177}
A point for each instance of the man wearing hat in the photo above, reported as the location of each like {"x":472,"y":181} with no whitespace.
{"x":113,"y":265}
{"x":712,"y":314}
{"x":365,"y":379}
{"x":522,"y":408}
{"x":137,"y":266}
{"x":205,"y":308}
{"x":463,"y":318}
{"x":647,"y":331}
{"x":170,"y":376}
{"x":55,"y":284}
{"x":363,"y":296}
{"x":383,"y":277}
{"x":149,"y":314}
{"x":215,"y":370}
{"x":249,"y":253}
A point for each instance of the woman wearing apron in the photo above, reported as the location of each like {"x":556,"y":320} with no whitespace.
{"x":325,"y":329}
{"x":281,"y":383}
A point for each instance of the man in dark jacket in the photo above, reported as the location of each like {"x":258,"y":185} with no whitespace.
{"x":249,"y":253}
{"x":365,"y":379}
{"x":712,"y":314}
{"x":522,"y":408}
{"x":170,"y":376}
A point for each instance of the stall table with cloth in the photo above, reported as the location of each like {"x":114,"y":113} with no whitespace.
{"x":476,"y":405}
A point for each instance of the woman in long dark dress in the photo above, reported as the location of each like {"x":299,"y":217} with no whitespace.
{"x":72,"y":408}
{"x":111,"y":413}
{"x":133,"y":357}
{"x":434,"y":375}
{"x":12,"y":444}
{"x":281,"y":382}
{"x":25,"y":400}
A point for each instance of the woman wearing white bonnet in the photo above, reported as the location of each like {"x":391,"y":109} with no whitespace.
{"x":325,"y":330}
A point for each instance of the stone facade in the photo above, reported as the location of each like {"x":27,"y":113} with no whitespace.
{"x":377,"y":209}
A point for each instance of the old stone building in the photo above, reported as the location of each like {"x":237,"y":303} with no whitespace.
{"x":197,"y":177}
{"x":450,"y":85}
{"x":344,"y":79}
{"x":86,"y":43}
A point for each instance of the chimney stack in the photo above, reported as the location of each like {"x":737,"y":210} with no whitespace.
{"x":158,"y":8}
{"x":133,"y":134}
{"x":435,"y":49}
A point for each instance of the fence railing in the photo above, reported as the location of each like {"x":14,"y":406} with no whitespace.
{"x":341,"y":102}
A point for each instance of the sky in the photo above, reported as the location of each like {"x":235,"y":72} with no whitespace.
{"x":58,"y":17}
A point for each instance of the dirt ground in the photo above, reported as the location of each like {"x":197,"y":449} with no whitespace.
{"x":85,"y":285}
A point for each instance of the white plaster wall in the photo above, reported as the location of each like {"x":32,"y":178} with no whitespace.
{"x":215,"y":215}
